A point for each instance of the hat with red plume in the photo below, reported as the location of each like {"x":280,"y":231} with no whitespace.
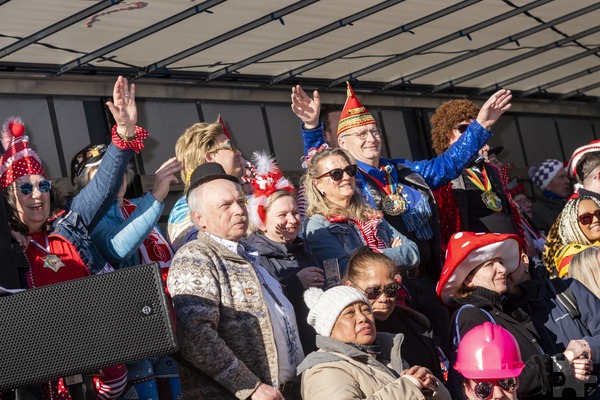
{"x":354,"y":113}
{"x":267,"y":180}
{"x":19,"y":159}
{"x":225,"y":131}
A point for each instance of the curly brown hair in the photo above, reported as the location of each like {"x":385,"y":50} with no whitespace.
{"x":446,"y":117}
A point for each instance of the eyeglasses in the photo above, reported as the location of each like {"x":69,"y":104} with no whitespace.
{"x":43,"y":186}
{"x":484,"y":390}
{"x":588,"y":218}
{"x":226,"y":146}
{"x":362,"y":135}
{"x":338,"y":173}
{"x":461,"y":128}
{"x":390,"y":290}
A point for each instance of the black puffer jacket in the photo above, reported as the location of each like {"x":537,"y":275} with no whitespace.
{"x":283,"y":261}
{"x":535,"y":380}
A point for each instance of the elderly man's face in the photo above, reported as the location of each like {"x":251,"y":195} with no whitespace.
{"x":560,"y":184}
{"x":224,"y":211}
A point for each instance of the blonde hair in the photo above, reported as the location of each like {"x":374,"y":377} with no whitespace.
{"x":318,"y":202}
{"x":193,"y":146}
{"x":585,"y":267}
{"x":253,"y":217}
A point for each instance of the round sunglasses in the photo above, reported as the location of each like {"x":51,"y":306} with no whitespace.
{"x":588,"y":218}
{"x":43,"y":186}
{"x":338,"y":173}
{"x":484,"y":389}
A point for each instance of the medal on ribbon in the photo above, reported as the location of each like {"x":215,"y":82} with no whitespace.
{"x":394,"y":203}
{"x":489,"y":198}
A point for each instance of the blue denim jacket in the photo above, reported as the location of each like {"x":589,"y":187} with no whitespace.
{"x":89,"y":206}
{"x":339,"y":240}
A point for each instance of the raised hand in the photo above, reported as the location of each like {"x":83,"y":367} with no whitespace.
{"x":496,"y":105}
{"x":164,"y":177}
{"x":123,"y":107}
{"x":305,"y":108}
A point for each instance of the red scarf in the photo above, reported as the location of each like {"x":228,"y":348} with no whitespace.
{"x":368,"y":229}
{"x":155,"y":247}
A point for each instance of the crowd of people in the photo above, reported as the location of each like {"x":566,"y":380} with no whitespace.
{"x":371,"y":278}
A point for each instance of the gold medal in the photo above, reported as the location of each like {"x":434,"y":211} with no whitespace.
{"x":489,"y":198}
{"x":394,"y":204}
{"x":53,"y":262}
{"x":492,"y":201}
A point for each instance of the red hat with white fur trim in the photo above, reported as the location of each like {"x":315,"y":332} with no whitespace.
{"x":467,"y":250}
{"x":19,"y":159}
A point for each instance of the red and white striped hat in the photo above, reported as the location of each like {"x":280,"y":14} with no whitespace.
{"x":19,"y":159}
{"x":577,"y":156}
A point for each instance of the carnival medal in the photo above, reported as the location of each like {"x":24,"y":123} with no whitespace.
{"x":394,"y":204}
{"x":489,"y":198}
{"x":53,"y":262}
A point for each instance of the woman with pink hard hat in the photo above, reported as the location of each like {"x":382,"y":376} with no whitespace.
{"x":489,"y":360}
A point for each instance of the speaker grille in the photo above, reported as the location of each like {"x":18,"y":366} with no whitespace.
{"x":83,"y":325}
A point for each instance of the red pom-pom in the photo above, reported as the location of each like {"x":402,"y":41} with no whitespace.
{"x":17,"y":129}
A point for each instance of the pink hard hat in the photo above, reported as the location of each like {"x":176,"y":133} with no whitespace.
{"x":488,"y":351}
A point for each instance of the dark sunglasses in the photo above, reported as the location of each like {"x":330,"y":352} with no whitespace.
{"x":588,"y":218}
{"x":461,"y":128}
{"x":484,"y":390}
{"x":43,"y":186}
{"x":338,"y":173}
{"x":390,"y":290}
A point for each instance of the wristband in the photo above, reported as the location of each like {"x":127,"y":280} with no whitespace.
{"x":135,"y":143}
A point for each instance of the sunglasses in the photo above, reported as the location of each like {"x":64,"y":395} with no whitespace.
{"x":43,"y":186}
{"x":390,"y":290}
{"x":226,"y":146}
{"x":338,"y":173}
{"x":588,"y":218}
{"x":484,"y":389}
{"x":461,"y":128}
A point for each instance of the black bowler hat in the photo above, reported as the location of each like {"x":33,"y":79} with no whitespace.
{"x":208,"y":172}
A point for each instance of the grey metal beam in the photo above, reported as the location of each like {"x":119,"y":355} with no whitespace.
{"x":565,"y":79}
{"x":138,"y":35}
{"x":60,"y":25}
{"x":369,"y":42}
{"x":304,"y":38}
{"x":274,"y":16}
{"x":492,"y":46}
{"x":539,"y":70}
{"x":516,"y":59}
{"x":436,"y":43}
{"x":580,"y":91}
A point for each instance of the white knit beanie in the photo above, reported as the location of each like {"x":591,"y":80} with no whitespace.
{"x":326,"y":306}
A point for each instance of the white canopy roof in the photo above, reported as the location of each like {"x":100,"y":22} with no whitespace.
{"x":540,"y":48}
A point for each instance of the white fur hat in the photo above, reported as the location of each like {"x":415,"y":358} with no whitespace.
{"x":326,"y":306}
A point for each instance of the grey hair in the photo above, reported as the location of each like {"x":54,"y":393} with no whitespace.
{"x":194,"y":199}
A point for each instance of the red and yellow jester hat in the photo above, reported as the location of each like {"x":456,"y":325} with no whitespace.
{"x":354,"y":113}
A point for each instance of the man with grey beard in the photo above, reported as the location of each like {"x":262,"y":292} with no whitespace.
{"x":237,"y":332}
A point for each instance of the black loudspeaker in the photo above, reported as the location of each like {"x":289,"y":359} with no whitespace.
{"x":83,"y":325}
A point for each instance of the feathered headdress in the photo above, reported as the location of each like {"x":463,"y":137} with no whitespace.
{"x":19,"y":159}
{"x":267,"y":180}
